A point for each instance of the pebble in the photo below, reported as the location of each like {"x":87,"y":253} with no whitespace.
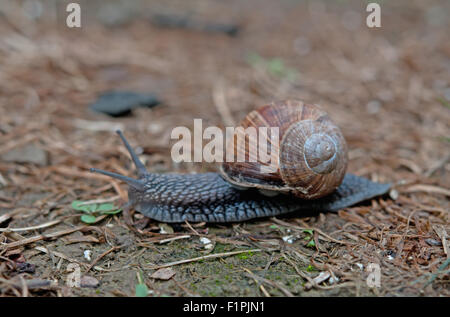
{"x":121,"y":103}
{"x":433,"y":242}
{"x":393,"y":194}
{"x":289,"y":239}
{"x":206,"y":242}
{"x":89,"y":281}
{"x":187,"y":22}
{"x":87,"y":255}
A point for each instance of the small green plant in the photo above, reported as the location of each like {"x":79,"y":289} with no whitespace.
{"x":141,"y":288}
{"x":308,"y":231}
{"x":93,"y":210}
{"x":444,"y":139}
{"x":245,"y":256}
{"x":310,"y":268}
{"x":309,"y":238}
{"x":444,"y":102}
{"x":311,"y":244}
{"x":275,"y":66}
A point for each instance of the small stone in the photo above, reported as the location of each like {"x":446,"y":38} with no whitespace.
{"x":205,"y":240}
{"x":433,"y":242}
{"x":289,"y":239}
{"x":121,"y":103}
{"x":393,"y":194}
{"x":187,"y":22}
{"x":89,"y":281}
{"x":163,"y":274}
{"x":87,"y":255}
{"x":207,"y":243}
{"x":30,"y":153}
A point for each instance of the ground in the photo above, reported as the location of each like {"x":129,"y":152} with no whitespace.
{"x":388,"y":89}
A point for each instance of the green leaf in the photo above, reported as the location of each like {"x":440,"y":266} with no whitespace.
{"x":108,"y":209}
{"x":105,"y":207}
{"x":276,"y":67}
{"x":141,"y":290}
{"x":77,"y":205}
{"x":92,"y":207}
{"x":112,"y":212}
{"x":88,"y":218}
{"x":311,"y":244}
{"x":310,"y":231}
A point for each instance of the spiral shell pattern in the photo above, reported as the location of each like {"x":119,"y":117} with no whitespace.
{"x":312,"y":152}
{"x":313,"y":158}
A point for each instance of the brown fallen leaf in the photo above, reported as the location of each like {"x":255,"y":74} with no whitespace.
{"x":163,"y":274}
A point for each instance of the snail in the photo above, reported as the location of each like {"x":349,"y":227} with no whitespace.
{"x":310,"y":175}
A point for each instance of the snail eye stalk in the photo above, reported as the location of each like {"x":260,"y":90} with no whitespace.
{"x":130,"y":181}
{"x":137,"y":162}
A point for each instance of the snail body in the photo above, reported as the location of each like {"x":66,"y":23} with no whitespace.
{"x":309,"y":175}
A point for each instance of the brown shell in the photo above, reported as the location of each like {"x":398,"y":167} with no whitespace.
{"x":311,"y":157}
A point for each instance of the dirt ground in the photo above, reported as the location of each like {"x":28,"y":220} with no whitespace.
{"x":388,"y":89}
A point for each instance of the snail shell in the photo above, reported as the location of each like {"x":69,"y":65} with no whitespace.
{"x":309,"y":160}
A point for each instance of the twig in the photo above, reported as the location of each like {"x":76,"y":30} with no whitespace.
{"x":99,"y":201}
{"x":174,"y":238}
{"x":209,"y":256}
{"x":427,"y":189}
{"x":30,"y":284}
{"x":60,"y":255}
{"x":271,"y":283}
{"x":437,"y":166}
{"x":5,"y":217}
{"x":191,"y":228}
{"x":40,"y":237}
{"x":283,"y":223}
{"x":41,"y":226}
{"x":101,"y":256}
{"x":261,"y":286}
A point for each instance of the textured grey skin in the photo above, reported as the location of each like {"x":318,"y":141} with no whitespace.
{"x":207,"y":197}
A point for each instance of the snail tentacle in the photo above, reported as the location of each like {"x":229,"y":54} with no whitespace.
{"x":136,"y":183}
{"x":137,"y":162}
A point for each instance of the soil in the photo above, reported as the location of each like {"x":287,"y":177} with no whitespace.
{"x":388,"y":88}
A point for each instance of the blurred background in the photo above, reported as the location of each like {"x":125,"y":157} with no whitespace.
{"x":388,"y":87}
